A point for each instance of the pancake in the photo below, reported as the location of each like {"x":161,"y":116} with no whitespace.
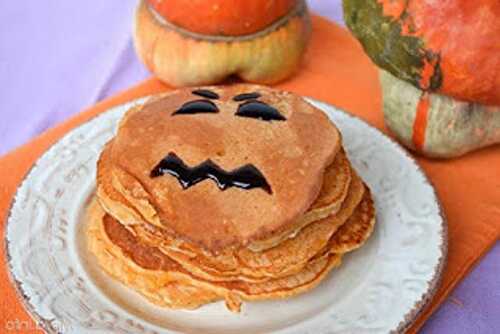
{"x":225,"y":193}
{"x":164,"y":282}
{"x":358,"y":228}
{"x":288,"y":153}
{"x":246,"y":265}
{"x":134,"y":206}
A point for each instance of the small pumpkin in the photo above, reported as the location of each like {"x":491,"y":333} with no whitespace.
{"x":440,"y":69}
{"x":199,"y":42}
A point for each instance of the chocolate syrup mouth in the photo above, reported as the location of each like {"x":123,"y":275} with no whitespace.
{"x":245,"y":177}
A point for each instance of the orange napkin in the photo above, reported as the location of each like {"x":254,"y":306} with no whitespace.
{"x":336,"y":71}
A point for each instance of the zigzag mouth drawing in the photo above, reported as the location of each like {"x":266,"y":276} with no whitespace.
{"x":246,"y":177}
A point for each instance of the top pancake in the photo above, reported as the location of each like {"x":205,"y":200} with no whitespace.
{"x":291,"y":154}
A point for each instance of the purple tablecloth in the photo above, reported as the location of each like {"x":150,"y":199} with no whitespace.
{"x":57,"y":58}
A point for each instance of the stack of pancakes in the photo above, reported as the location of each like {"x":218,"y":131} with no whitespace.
{"x":184,"y":237}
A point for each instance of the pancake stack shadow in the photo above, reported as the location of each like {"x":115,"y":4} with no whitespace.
{"x":138,"y":236}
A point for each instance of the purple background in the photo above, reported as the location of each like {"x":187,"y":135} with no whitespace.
{"x":57,"y":58}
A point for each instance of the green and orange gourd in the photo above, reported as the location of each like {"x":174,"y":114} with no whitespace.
{"x":440,"y":69}
{"x":197,"y":42}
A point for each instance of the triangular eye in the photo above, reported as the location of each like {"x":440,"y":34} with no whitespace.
{"x":259,"y":110}
{"x":197,"y":107}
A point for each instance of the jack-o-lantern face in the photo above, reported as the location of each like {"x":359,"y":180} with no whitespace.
{"x":245,"y":177}
{"x":264,"y":150}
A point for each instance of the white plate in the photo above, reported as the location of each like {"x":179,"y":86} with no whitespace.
{"x":379,"y":288}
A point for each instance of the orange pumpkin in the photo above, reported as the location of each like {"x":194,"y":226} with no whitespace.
{"x":197,"y":42}
{"x":451,"y":47}
{"x":440,"y":69}
{"x":222,"y":17}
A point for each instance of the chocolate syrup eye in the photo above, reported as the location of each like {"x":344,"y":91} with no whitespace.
{"x":206,"y":93}
{"x":259,"y":110}
{"x":246,"y":96}
{"x":197,"y":107}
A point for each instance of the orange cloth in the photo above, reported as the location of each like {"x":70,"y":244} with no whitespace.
{"x":336,"y":71}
